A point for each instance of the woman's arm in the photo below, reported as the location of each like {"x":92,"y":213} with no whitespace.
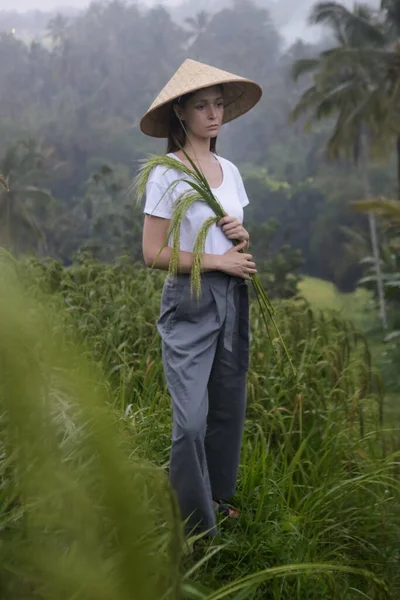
{"x":155,"y":231}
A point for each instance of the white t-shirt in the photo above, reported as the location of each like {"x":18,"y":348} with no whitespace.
{"x":231,"y":194}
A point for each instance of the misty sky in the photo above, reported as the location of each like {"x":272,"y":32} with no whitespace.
{"x":22,"y":5}
{"x":297,"y":6}
{"x":290,"y":14}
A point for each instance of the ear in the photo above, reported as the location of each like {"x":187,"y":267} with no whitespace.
{"x":178,"y":113}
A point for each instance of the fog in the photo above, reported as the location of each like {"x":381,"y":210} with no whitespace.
{"x":290,"y":16}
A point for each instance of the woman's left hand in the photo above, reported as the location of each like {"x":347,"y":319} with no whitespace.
{"x":233,"y":229}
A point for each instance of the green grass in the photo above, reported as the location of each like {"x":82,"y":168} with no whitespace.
{"x":357,"y":306}
{"x":318,"y":485}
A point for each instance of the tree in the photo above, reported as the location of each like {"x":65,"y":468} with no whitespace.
{"x":389,"y":210}
{"x":20,"y":199}
{"x":57,"y":30}
{"x":338,"y":91}
{"x":377,"y":53}
{"x":197,"y":25}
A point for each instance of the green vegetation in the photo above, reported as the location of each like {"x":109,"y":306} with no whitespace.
{"x":358,"y":306}
{"x":318,"y":489}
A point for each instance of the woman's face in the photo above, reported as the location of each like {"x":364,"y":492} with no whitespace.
{"x":203,"y":113}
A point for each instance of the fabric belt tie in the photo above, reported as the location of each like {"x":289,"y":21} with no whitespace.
{"x":232,"y":293}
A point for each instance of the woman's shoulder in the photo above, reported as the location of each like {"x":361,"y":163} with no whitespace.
{"x":162,"y":175}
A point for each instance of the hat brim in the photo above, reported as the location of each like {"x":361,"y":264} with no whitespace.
{"x":239,"y":97}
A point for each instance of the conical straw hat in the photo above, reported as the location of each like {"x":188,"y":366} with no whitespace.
{"x":240,"y":95}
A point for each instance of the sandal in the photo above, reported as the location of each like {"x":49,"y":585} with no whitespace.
{"x":226,"y":510}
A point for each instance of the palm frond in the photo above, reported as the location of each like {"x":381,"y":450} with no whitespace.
{"x":355,"y":28}
{"x":361,"y":56}
{"x":304,"y":66}
{"x":380,"y":206}
{"x":345,"y":137}
{"x":325,"y":109}
{"x":307,"y":102}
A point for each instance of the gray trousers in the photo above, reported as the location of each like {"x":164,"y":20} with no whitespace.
{"x":205,"y":346}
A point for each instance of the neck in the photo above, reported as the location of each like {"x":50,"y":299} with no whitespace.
{"x":197,"y":147}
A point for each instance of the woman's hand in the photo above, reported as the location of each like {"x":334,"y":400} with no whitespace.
{"x":233,"y":229}
{"x":235,"y":263}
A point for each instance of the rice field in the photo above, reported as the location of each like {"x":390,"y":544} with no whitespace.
{"x":86,"y":509}
{"x":357,"y":306}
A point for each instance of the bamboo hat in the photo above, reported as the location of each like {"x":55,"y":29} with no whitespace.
{"x":240,"y":95}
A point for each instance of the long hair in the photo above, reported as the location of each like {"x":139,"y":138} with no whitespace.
{"x":176,"y":133}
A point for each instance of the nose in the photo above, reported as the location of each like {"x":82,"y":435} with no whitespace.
{"x":212,"y":113}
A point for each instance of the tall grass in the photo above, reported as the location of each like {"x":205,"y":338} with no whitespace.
{"x":318,"y":484}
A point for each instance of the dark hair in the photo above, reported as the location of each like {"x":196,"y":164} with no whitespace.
{"x":176,"y":133}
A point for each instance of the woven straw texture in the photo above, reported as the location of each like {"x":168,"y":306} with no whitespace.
{"x":240,"y":95}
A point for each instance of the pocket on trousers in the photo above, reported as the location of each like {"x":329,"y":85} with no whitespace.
{"x":171,"y":299}
{"x":178,"y":303}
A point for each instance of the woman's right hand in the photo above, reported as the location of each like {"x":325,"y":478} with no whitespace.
{"x":235,"y":263}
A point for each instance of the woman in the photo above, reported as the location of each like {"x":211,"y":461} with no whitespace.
{"x":205,"y":342}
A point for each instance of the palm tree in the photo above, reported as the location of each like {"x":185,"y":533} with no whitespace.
{"x":339,"y":90}
{"x":378,"y":54}
{"x":389,"y":210}
{"x":20,"y":198}
{"x":57,"y":29}
{"x":197,"y":25}
{"x":199,"y":22}
{"x":387,"y":89}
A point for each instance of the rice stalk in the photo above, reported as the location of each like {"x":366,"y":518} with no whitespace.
{"x":198,"y":182}
{"x":198,"y":251}
{"x":182,"y":204}
{"x":155,"y":160}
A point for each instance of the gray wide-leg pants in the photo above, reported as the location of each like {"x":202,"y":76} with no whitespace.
{"x":205,"y":344}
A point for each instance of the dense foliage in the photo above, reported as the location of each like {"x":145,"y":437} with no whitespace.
{"x":81,"y":89}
